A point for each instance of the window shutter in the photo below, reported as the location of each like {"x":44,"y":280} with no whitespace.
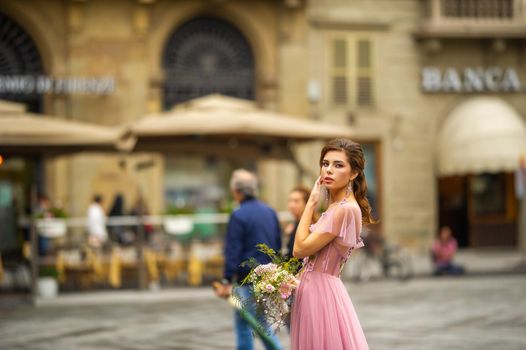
{"x":364,"y":74}
{"x":339,"y":72}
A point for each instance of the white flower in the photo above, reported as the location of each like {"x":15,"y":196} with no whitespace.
{"x":265,"y":269}
{"x":273,"y":286}
{"x":269,"y":288}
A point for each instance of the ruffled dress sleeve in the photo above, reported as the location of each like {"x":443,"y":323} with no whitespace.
{"x":344,"y":222}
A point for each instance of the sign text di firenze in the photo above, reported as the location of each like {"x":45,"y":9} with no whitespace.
{"x":28,"y":84}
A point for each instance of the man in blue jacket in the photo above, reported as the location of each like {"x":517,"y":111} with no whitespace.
{"x":251,"y":224}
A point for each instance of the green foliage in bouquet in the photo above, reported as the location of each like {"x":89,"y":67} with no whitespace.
{"x":291,"y":265}
{"x":272,"y":285}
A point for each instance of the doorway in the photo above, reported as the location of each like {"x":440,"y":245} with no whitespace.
{"x":481,"y":209}
{"x":453,"y":210}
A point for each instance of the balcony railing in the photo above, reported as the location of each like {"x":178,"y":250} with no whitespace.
{"x":485,"y":10}
{"x":468,"y":18}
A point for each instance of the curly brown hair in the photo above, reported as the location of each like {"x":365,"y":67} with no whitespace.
{"x":356,"y":159}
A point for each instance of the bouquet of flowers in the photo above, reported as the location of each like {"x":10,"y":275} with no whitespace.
{"x":272,"y":285}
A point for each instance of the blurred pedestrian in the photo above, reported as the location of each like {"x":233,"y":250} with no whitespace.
{"x":249,"y":225}
{"x":119,"y":232}
{"x":443,"y":252}
{"x":140,"y":211}
{"x":97,"y":234}
{"x":296,"y":204}
{"x":43,"y":211}
{"x":323,"y":316}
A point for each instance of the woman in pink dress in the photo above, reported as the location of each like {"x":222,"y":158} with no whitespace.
{"x":323,"y":316}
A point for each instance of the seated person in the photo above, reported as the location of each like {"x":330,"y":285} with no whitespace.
{"x":443,"y":251}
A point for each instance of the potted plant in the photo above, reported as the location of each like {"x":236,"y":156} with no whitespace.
{"x":178,"y":223}
{"x":54,"y":225}
{"x":47,"y":283}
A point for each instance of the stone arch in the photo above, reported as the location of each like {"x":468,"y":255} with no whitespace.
{"x":207,"y":55}
{"x":245,"y":21}
{"x":46,"y":37}
{"x":19,"y":56}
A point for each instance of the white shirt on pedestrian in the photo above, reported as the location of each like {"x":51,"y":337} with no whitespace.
{"x":97,"y":222}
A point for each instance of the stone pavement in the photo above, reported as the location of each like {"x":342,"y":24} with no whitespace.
{"x":481,"y":312}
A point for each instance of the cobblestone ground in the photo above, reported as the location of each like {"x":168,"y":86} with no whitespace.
{"x":452,"y":313}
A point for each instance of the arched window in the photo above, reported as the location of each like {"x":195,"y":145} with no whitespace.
{"x":205,"y":56}
{"x":19,"y":56}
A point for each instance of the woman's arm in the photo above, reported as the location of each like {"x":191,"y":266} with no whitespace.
{"x":305,"y":243}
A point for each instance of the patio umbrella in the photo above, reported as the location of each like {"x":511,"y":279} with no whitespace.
{"x":230,"y":127}
{"x":23,"y":133}
{"x":29,"y":135}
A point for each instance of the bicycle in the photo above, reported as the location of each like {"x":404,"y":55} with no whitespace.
{"x":393,"y":260}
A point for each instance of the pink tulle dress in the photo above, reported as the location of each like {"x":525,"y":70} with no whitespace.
{"x":323,"y":317}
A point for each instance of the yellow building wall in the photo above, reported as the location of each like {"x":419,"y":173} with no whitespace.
{"x":291,"y":43}
{"x":125,"y":40}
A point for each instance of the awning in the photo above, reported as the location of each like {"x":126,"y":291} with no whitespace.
{"x":227,"y":126}
{"x":23,"y":133}
{"x":483,"y":134}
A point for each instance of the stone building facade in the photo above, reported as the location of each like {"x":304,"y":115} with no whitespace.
{"x":393,"y":69}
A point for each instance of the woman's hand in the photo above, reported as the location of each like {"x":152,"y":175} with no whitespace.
{"x":307,"y":244}
{"x":315,"y":194}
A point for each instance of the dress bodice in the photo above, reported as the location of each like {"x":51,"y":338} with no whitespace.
{"x":345,"y":222}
